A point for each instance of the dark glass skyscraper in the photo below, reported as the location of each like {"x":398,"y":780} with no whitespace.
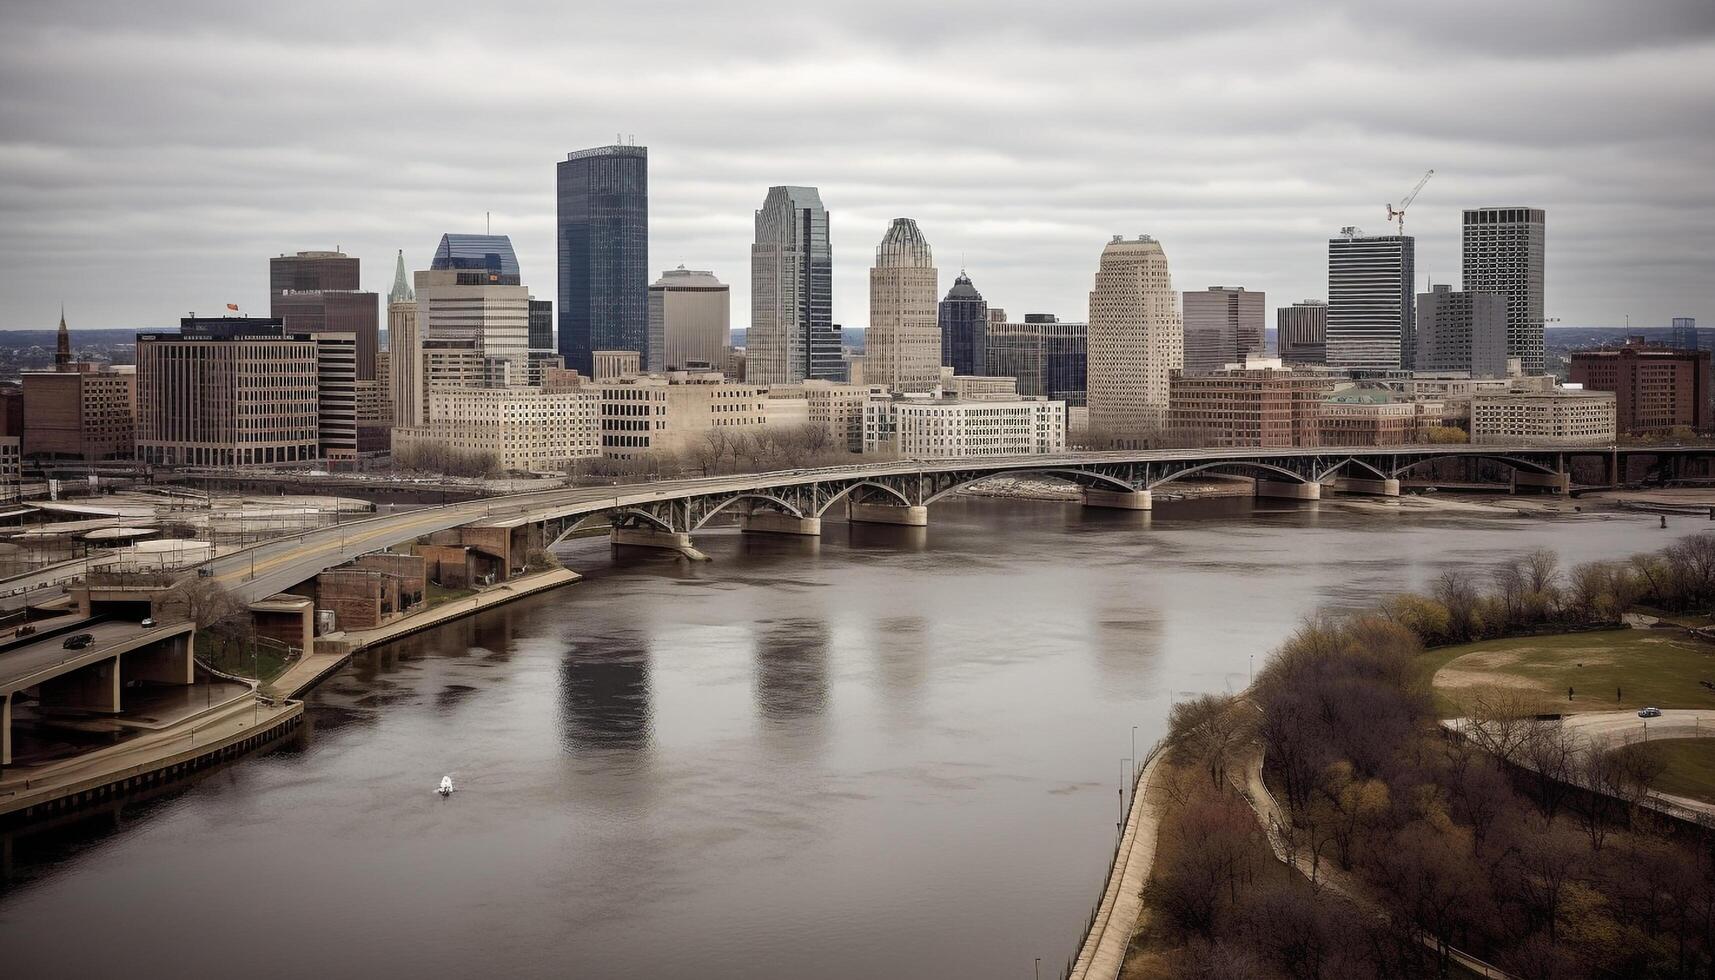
{"x":964,"y":328}
{"x":541,"y":324}
{"x":603,"y":232}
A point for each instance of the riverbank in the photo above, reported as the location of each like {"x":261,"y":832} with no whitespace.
{"x":235,"y":726}
{"x":335,"y":650}
{"x":1121,"y":912}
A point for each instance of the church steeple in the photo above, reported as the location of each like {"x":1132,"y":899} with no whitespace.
{"x":401,"y":292}
{"x":62,"y":355}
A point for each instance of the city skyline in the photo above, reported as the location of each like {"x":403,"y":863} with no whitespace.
{"x":1032,"y":175}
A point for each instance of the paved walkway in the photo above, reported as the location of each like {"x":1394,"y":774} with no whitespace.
{"x":1121,"y":913}
{"x":1327,"y":874}
{"x":311,"y":669}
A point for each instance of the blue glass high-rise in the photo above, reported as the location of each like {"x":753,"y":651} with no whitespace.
{"x":603,"y":235}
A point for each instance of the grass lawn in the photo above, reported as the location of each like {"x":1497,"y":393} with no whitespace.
{"x":1688,"y":765}
{"x":434,"y":595}
{"x":235,"y":658}
{"x":1647,"y":667}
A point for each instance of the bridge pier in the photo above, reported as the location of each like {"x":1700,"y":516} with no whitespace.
{"x":1285,"y":490}
{"x":914,"y":515}
{"x":1559,"y":484}
{"x":6,"y":729}
{"x":1118,"y":499}
{"x":774,"y":522}
{"x":648,"y":537}
{"x":1352,"y":484}
{"x":169,"y":662}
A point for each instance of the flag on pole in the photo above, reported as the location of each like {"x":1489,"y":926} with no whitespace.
{"x":233,"y":307}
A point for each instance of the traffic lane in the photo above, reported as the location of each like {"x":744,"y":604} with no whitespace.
{"x":1626,"y":725}
{"x":19,"y":665}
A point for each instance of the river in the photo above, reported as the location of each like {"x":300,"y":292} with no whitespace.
{"x":892,"y":752}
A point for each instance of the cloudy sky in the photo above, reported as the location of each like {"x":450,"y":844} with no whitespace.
{"x":152,"y":156}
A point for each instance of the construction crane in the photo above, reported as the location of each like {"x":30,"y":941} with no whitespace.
{"x":1398,"y":214}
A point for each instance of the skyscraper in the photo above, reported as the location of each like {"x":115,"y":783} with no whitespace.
{"x":902,"y":348}
{"x":1371,"y":308}
{"x":792,"y":335}
{"x":1683,"y":334}
{"x":319,"y":292}
{"x":603,"y":233}
{"x":541,"y":324}
{"x":1462,"y":331}
{"x":404,"y":350}
{"x":472,"y":293}
{"x":964,"y":321}
{"x":1136,"y":339}
{"x":1503,"y":250}
{"x":1301,"y":332}
{"x":1048,"y":358}
{"x":690,"y":318}
{"x":1222,"y":325}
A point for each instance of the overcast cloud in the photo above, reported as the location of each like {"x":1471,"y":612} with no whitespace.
{"x":152,"y":156}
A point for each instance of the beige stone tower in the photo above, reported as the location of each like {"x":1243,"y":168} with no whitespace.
{"x":902,"y":348}
{"x":405,"y":350}
{"x":1136,"y":339}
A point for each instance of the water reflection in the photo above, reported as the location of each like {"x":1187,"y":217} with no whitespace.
{"x":792,"y":669}
{"x":604,"y":693}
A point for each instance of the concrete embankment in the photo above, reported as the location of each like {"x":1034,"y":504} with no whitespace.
{"x":333,"y":652}
{"x":1120,"y":913}
{"x":229,"y":730}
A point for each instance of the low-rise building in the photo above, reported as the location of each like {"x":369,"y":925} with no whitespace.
{"x":1371,"y":414}
{"x":1259,"y":404}
{"x":931,"y":426}
{"x":978,"y":387}
{"x":87,"y":412}
{"x":525,"y":429}
{"x":1565,"y":417}
{"x":667,"y":413}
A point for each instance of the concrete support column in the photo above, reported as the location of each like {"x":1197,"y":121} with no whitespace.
{"x":1351,"y":484}
{"x":774,"y":522}
{"x":648,"y":537}
{"x":6,"y":730}
{"x":1284,"y":490}
{"x":1556,"y":483}
{"x":915,"y":515}
{"x":1119,"y":499}
{"x":167,"y":662}
{"x":93,"y":688}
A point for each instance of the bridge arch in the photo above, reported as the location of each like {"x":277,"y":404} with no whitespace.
{"x":1072,"y":475}
{"x":846,"y":491}
{"x":608,"y":516}
{"x":1334,"y":470}
{"x":747,"y":495}
{"x":1512,"y":461}
{"x":1268,"y":469}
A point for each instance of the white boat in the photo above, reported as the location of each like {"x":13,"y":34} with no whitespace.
{"x":446,"y":787}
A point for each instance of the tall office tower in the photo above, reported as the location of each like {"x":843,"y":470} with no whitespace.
{"x":316,"y":292}
{"x":964,"y":322}
{"x":603,"y":231}
{"x":1683,"y":335}
{"x":1503,"y":254}
{"x":792,"y":334}
{"x":1222,"y":325}
{"x":472,"y":292}
{"x":1136,"y":340}
{"x":902,"y":348}
{"x":1301,"y":332}
{"x":1370,"y":302}
{"x":1048,"y":358}
{"x":405,"y":350}
{"x":1462,"y":331}
{"x":690,"y":319}
{"x":541,"y":324}
{"x":336,"y":394}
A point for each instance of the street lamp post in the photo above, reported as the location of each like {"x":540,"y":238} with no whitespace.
{"x":1134,"y":753}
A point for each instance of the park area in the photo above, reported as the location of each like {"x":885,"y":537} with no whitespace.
{"x":1605,"y":670}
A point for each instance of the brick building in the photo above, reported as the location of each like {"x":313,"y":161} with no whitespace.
{"x":87,"y":412}
{"x":1656,"y":389}
{"x":1260,"y":405}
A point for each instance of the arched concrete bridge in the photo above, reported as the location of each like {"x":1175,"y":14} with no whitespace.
{"x":897,"y":492}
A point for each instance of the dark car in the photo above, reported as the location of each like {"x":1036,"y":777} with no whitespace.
{"x":24,"y":630}
{"x":78,"y":641}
